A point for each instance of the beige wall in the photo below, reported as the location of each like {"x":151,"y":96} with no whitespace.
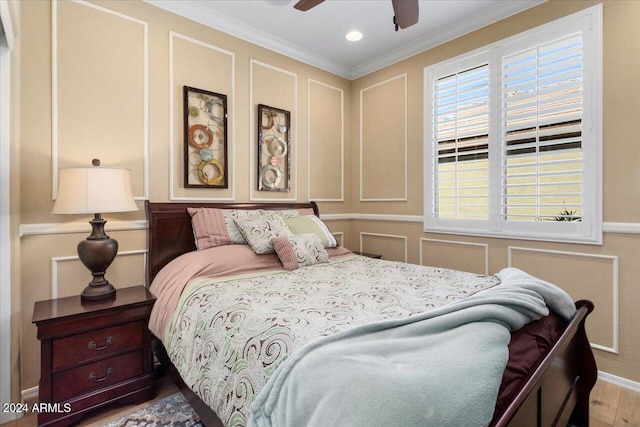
{"x":104,"y":80}
{"x":131,"y":116}
{"x":605,"y":274}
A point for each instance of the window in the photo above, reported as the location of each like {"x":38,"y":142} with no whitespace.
{"x":513,"y":136}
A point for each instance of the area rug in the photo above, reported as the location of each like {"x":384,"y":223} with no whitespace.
{"x":171,"y":411}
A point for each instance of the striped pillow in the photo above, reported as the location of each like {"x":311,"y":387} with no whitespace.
{"x":300,"y":251}
{"x":216,"y":227}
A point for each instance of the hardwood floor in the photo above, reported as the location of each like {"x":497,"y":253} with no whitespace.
{"x":614,"y":406}
{"x":611,"y":406}
{"x":164,"y":388}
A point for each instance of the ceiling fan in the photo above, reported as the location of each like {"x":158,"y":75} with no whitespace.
{"x":406,"y":11}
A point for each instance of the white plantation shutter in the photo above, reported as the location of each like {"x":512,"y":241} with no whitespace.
{"x":542,"y":132}
{"x":513,"y":144}
{"x":461,"y":135}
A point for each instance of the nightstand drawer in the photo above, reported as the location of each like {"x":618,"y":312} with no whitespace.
{"x":96,"y":344}
{"x":95,"y":376}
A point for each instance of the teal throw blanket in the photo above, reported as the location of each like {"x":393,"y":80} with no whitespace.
{"x":440,"y":368}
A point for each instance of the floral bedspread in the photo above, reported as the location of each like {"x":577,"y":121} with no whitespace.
{"x":229,"y":335}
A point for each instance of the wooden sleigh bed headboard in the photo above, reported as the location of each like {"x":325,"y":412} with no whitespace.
{"x":171,"y":235}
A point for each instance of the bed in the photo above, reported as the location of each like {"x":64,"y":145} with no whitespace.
{"x":551,"y":387}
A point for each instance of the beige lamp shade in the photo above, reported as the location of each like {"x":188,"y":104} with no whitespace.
{"x":91,"y":190}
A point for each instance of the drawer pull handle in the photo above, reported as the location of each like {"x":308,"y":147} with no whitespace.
{"x":93,"y":377}
{"x":92,"y":344}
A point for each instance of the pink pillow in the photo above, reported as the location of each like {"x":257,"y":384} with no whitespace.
{"x":216,"y":227}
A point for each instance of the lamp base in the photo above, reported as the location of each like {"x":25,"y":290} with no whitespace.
{"x":96,"y":253}
{"x":98,"y":293}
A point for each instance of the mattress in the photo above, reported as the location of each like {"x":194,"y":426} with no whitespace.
{"x":229,"y":318}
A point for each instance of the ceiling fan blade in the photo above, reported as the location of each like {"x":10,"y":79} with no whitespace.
{"x":305,"y":5}
{"x":406,"y":12}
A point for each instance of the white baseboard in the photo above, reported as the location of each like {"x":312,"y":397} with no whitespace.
{"x":622,"y":382}
{"x":30,"y":394}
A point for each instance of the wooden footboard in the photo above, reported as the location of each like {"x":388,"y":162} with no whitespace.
{"x":555,"y":394}
{"x":557,"y":391}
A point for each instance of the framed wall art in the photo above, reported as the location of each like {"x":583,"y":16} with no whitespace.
{"x":274,"y":149}
{"x":205,"y":139}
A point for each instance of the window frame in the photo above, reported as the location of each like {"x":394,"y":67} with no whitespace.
{"x":589,"y":229}
{"x":6,"y":46}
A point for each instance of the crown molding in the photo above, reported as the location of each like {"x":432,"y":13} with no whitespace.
{"x":439,"y":36}
{"x":194,"y":10}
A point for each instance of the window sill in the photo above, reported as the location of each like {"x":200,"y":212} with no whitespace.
{"x":584,"y":240}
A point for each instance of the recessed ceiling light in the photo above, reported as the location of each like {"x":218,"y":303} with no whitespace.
{"x":354,"y":36}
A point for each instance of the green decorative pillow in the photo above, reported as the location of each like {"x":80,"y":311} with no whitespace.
{"x":300,"y":251}
{"x":259,"y":231}
{"x":306,"y":224}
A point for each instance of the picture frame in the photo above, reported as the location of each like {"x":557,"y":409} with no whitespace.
{"x":205,"y":139}
{"x":274,"y":149}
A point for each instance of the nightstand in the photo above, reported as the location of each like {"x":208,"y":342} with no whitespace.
{"x":93,"y":353}
{"x":367,"y":254}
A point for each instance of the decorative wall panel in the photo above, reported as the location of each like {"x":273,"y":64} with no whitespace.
{"x":383,"y":141}
{"x":339,"y":235}
{"x":203,"y":66}
{"x":583,"y":276}
{"x":275,"y":87}
{"x":456,"y":255}
{"x":391,"y":247}
{"x":326,"y":142}
{"x":69,"y":276}
{"x":100,"y":91}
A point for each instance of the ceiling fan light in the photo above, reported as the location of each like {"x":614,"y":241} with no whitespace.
{"x":353,"y":36}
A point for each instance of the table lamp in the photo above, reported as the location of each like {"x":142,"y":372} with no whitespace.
{"x":96,"y":190}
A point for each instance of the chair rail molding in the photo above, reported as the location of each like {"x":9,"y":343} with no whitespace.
{"x":607,"y":227}
{"x":78,"y":227}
